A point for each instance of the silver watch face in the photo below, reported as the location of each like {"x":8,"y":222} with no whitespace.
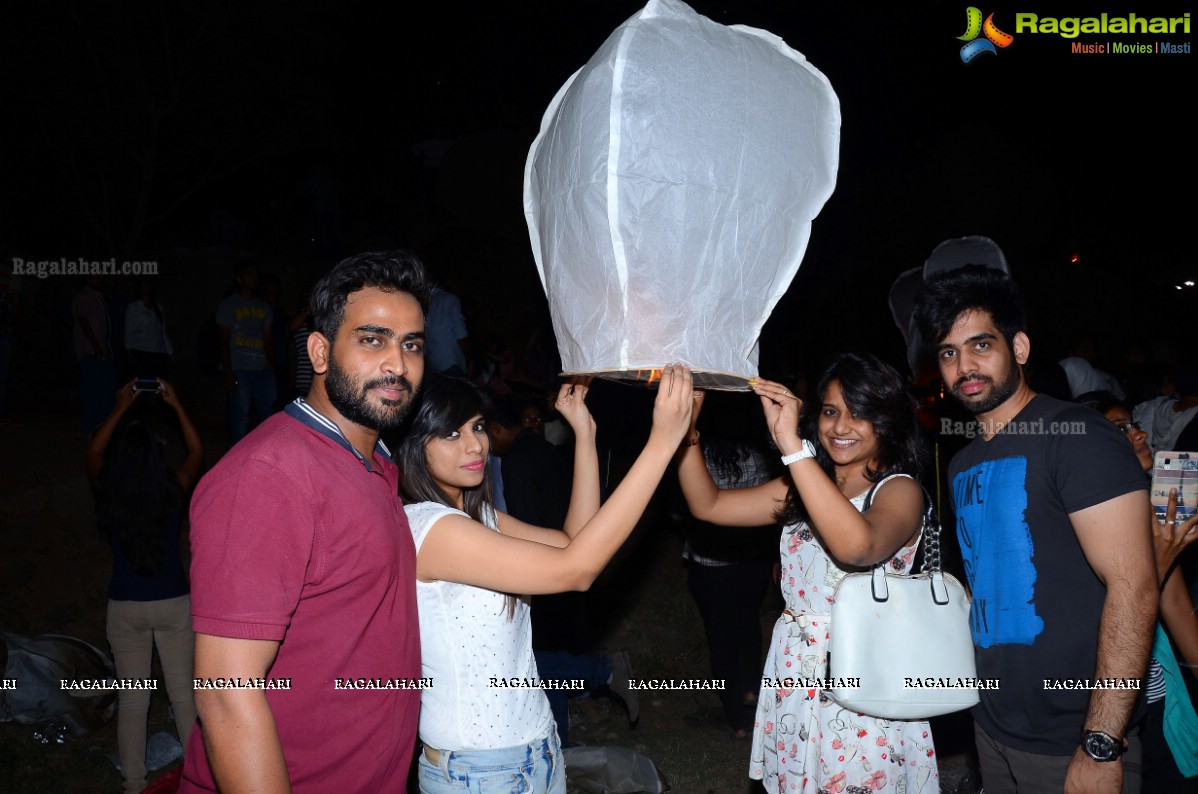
{"x":1100,"y":746}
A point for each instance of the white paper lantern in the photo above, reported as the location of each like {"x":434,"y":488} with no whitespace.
{"x":670,"y":193}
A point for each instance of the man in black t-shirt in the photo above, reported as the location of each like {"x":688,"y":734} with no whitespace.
{"x":1052,"y":517}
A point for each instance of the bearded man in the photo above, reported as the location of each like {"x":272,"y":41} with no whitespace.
{"x":1052,"y":516}
{"x":303,"y":567}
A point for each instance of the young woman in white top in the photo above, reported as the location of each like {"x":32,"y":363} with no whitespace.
{"x":858,"y":437}
{"x":484,"y":720}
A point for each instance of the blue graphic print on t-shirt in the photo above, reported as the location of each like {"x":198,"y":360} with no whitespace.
{"x":990,"y":500}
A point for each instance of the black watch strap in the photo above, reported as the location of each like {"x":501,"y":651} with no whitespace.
{"x":1103,"y":747}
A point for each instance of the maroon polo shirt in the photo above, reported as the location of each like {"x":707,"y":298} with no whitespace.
{"x":298,"y":538}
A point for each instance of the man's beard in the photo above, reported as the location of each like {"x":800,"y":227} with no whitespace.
{"x":353,"y":402}
{"x":998,"y":394}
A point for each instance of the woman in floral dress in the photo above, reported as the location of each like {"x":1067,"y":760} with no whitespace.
{"x":859,"y":436}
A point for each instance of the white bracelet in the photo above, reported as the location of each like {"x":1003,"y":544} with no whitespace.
{"x":806,"y":451}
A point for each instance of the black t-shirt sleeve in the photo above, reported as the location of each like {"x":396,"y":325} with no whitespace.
{"x":1090,"y":460}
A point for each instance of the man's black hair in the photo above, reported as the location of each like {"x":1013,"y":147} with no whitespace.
{"x":949,"y":294}
{"x":389,"y":271}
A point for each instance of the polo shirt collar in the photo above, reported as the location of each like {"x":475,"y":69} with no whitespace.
{"x":306,"y":414}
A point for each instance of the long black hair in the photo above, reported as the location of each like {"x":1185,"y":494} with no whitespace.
{"x":138,"y":496}
{"x":446,"y":403}
{"x":732,"y":433}
{"x":874,"y":391}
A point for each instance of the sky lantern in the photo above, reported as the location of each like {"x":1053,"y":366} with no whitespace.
{"x":670,"y":192}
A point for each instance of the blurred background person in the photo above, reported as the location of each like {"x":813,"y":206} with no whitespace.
{"x":729,"y":572}
{"x":146,"y":341}
{"x":246,"y":349}
{"x":141,"y":502}
{"x":1170,"y":761}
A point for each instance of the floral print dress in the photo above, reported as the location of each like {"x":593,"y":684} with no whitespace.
{"x":802,"y":740}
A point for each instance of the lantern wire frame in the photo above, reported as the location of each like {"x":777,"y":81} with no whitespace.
{"x":651,"y":376}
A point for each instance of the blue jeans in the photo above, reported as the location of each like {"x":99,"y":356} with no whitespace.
{"x":535,"y":768}
{"x":255,"y":387}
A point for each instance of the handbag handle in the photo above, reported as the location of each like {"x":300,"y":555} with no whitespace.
{"x":929,"y":538}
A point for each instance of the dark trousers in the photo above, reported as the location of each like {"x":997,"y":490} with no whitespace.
{"x":729,"y":599}
{"x":594,"y":669}
{"x":256,"y":390}
{"x":97,"y":386}
{"x":1006,"y":770}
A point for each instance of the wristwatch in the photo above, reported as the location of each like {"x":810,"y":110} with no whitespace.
{"x":1102,"y":746}
{"x":807,"y":450}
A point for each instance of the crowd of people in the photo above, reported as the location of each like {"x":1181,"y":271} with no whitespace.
{"x":372,"y":600}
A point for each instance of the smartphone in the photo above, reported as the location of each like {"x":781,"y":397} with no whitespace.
{"x":147,"y":384}
{"x":1175,"y":470}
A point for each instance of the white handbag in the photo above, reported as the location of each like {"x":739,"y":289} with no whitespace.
{"x":900,"y":646}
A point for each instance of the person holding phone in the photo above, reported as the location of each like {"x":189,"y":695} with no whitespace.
{"x":140,"y":505}
{"x":1166,"y":694}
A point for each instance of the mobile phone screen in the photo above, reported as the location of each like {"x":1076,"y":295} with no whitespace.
{"x":1175,"y":470}
{"x":146,"y":384}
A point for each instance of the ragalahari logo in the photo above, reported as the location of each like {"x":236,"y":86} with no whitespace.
{"x":975,"y":27}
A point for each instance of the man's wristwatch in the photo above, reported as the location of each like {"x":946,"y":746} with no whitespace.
{"x":1102,"y":746}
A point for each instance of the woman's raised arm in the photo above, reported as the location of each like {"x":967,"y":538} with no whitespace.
{"x":733,"y":507}
{"x":460,"y":550}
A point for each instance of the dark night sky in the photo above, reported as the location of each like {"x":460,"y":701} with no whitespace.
{"x":1049,"y":153}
